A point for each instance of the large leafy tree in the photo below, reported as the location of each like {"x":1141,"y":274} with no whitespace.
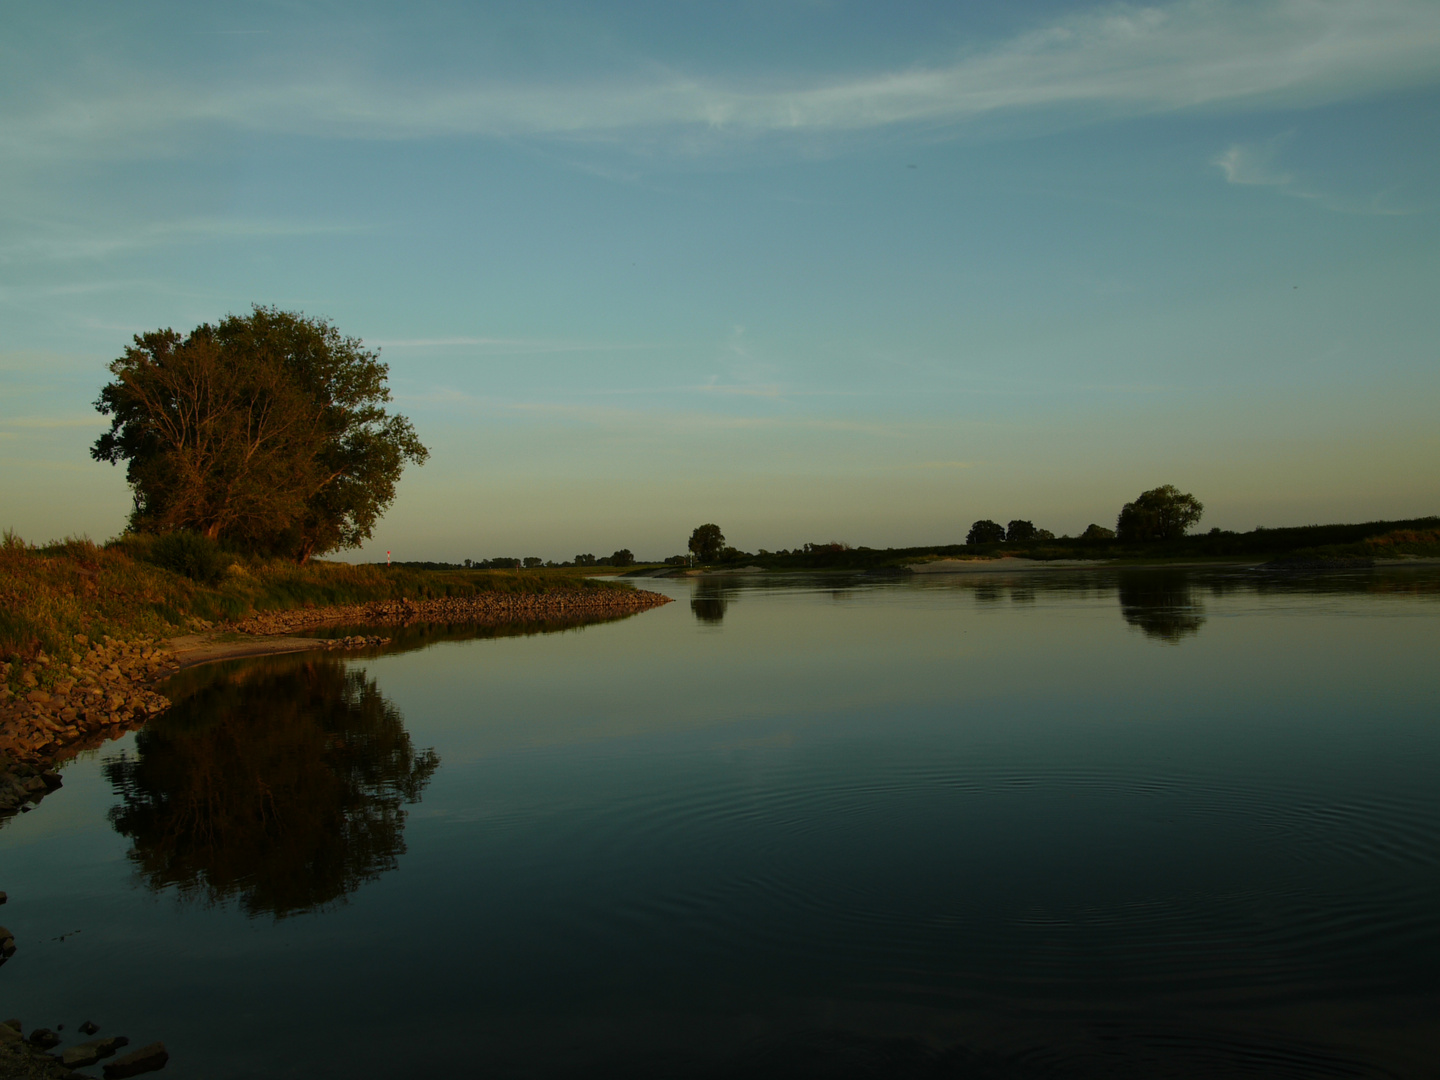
{"x":985,"y":531}
{"x":707,"y":542}
{"x":268,"y":430}
{"x":1163,"y":513}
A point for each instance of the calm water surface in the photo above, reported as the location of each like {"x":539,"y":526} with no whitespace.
{"x":1129,"y":824}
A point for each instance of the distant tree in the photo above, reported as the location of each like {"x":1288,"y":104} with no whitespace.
{"x":469,"y":563}
{"x":985,"y":532}
{"x":1098,"y":532}
{"x":677,"y":560}
{"x":1163,"y":513}
{"x":1044,"y":534}
{"x":266,"y":430}
{"x":707,"y":542}
{"x":532,"y":561}
{"x":585,"y":560}
{"x":623,"y":557}
{"x":1019,"y":532}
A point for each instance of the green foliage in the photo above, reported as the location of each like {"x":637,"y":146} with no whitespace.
{"x":196,"y":557}
{"x":623,"y":557}
{"x":707,"y":542}
{"x":267,"y":431}
{"x":1163,"y":513}
{"x":1097,"y":532}
{"x":985,"y":531}
{"x":1020,"y":532}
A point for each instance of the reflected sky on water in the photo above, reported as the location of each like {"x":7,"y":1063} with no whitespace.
{"x":1101,"y":823}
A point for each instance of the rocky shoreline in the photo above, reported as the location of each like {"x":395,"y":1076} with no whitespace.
{"x":31,"y":1057}
{"x":67,"y":704}
{"x":481,"y":609}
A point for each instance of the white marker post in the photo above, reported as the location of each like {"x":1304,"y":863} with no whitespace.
{"x":387,"y":558}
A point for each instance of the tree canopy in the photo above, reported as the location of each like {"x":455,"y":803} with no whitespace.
{"x":1019,"y":531}
{"x":707,"y":542}
{"x":1163,"y":513}
{"x":985,"y":531}
{"x":266,"y":430}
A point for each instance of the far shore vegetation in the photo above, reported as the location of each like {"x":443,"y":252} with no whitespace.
{"x":1373,"y":540}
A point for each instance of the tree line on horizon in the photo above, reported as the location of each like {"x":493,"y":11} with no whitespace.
{"x":1160,"y":514}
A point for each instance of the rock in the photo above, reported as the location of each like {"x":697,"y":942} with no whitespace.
{"x":3,"y":898}
{"x":88,"y":1028}
{"x":146,"y":1059}
{"x":10,"y":1031}
{"x":38,"y":697}
{"x":52,"y":779}
{"x":88,"y":1053}
{"x":44,"y":1038}
{"x":7,"y":946}
{"x":78,"y":1057}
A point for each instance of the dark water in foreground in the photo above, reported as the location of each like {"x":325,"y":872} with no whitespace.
{"x":1134,"y":824}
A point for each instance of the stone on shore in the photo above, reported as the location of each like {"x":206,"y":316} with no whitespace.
{"x":146,"y":1059}
{"x":44,"y":1038}
{"x":88,"y":1053}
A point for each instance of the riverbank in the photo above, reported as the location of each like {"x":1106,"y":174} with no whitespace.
{"x":65,"y":702}
{"x":51,"y":593}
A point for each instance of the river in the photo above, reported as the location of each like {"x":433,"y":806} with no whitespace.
{"x":1094,"y":823}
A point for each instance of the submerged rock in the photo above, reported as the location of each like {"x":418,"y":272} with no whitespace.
{"x":88,"y":1053}
{"x":146,"y":1059}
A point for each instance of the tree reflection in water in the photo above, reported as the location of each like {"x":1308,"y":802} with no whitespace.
{"x":281,"y":784}
{"x":1161,"y":603}
{"x":710,"y":599}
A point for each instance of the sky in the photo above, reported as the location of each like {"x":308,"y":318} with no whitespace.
{"x":810,"y":269}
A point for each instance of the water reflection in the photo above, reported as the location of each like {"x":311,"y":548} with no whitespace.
{"x":710,"y":599}
{"x":1161,"y":603}
{"x":280,"y":784}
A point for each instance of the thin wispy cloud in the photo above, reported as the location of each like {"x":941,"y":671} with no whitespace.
{"x":63,"y":241}
{"x":506,"y":346}
{"x":48,"y":422}
{"x":1118,"y":60}
{"x":1253,"y":166}
{"x":1260,"y":165}
{"x":657,"y":421}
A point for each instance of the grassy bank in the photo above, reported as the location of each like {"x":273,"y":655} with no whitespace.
{"x":1377,"y":540}
{"x":49,"y":594}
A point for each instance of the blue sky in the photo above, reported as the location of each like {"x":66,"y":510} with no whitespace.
{"x":812,"y":270}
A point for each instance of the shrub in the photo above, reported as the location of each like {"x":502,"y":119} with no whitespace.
{"x":196,"y":557}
